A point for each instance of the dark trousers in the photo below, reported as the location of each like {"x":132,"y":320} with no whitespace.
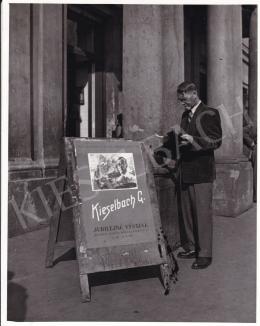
{"x":196,"y":218}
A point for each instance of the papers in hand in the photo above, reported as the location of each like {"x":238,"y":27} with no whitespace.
{"x":157,"y":135}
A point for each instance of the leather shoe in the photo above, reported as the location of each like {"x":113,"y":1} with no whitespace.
{"x":201,"y":262}
{"x":187,"y":254}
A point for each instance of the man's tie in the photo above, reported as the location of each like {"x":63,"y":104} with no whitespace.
{"x":190,"y":116}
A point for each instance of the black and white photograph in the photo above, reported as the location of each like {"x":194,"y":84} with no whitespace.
{"x":110,"y":171}
{"x":129,"y":161}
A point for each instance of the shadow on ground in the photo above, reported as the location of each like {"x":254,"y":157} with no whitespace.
{"x":16,"y":300}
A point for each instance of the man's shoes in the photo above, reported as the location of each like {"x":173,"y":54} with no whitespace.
{"x":187,"y":254}
{"x":201,"y":262}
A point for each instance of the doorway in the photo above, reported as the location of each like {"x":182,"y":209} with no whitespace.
{"x":195,"y":47}
{"x":85,"y":68}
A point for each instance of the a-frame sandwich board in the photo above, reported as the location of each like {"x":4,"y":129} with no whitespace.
{"x":115,"y":211}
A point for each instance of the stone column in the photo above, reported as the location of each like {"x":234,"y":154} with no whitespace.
{"x":52,"y":79}
{"x":253,"y":67}
{"x":20,"y":152}
{"x":152,"y":67}
{"x":36,"y":111}
{"x":142,"y":74}
{"x":113,"y":70}
{"x":233,"y":191}
{"x":173,"y":63}
{"x":225,"y":74}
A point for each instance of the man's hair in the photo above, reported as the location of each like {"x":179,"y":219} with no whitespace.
{"x":122,"y":160}
{"x":186,"y":86}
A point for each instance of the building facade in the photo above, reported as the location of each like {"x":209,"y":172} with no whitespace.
{"x":74,"y":68}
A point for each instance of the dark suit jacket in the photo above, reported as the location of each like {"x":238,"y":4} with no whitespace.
{"x":197,"y":159}
{"x":249,"y":138}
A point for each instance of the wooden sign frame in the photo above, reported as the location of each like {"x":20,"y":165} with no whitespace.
{"x":92,"y":260}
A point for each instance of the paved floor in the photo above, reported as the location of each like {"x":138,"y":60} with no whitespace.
{"x":225,"y":292}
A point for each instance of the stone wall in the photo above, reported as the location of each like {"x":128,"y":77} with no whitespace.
{"x":36,"y":107}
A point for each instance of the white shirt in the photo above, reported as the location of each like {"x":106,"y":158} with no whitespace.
{"x":192,"y":111}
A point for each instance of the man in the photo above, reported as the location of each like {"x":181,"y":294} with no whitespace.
{"x":201,"y":135}
{"x":126,"y":179}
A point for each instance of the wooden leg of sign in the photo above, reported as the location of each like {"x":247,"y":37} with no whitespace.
{"x":54,"y":228}
{"x":55,"y":220}
{"x":85,"y":290}
{"x":165,"y":273}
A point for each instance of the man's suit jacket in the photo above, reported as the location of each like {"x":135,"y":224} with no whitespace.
{"x":249,"y":136}
{"x":197,"y":159}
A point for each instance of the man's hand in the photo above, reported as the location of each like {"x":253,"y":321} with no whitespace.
{"x":186,"y":139}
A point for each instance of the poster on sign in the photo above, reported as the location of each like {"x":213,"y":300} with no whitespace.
{"x":109,"y":171}
{"x":115,"y":201}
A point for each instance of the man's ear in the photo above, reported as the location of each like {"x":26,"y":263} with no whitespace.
{"x":194,"y":95}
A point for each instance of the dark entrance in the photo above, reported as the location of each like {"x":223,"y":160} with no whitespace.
{"x":85,"y":71}
{"x":195,"y":47}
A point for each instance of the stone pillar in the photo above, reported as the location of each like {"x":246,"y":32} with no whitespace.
{"x":225,"y":74}
{"x":152,"y":67}
{"x":142,"y":70}
{"x":19,"y":85}
{"x":52,"y":79}
{"x":113,"y":69}
{"x":36,"y":111}
{"x":253,"y":67}
{"x":173,"y":63}
{"x":233,"y":189}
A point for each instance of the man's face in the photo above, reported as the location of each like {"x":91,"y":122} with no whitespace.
{"x":188,"y":99}
{"x":122,"y":165}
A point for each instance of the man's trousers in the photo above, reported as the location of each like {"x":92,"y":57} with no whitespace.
{"x":195,"y":220}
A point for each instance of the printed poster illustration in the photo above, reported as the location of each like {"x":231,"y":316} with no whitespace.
{"x":109,"y":171}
